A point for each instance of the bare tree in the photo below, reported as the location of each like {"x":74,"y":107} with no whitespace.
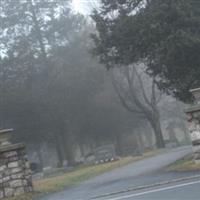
{"x":138,"y":93}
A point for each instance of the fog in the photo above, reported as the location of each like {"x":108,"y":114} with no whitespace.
{"x":61,"y":100}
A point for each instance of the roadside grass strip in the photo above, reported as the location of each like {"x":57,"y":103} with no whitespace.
{"x":84,"y":173}
{"x":78,"y":175}
{"x":186,"y":164}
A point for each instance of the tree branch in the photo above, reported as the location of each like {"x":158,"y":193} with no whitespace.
{"x":122,"y":97}
{"x":132,"y":92}
{"x":142,"y":86}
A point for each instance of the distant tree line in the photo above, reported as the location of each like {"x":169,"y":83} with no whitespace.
{"x":161,"y":35}
{"x":52,"y":90}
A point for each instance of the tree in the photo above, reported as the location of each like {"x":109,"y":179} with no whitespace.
{"x":54,"y":92}
{"x":138,"y":94}
{"x":163,"y":34}
{"x":35,"y":30}
{"x":110,"y":43}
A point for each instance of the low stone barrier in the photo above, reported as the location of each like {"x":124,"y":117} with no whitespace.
{"x":15,"y":173}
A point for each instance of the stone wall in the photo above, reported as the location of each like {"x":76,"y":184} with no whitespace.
{"x":15,"y":174}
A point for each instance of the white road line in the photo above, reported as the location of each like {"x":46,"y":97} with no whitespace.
{"x":153,"y":191}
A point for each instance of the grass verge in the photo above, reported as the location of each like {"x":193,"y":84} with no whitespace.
{"x":186,"y":164}
{"x":78,"y":175}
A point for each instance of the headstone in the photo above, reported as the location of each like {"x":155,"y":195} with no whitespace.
{"x":105,"y":153}
{"x":65,"y":163}
{"x":193,"y":118}
{"x":15,"y":173}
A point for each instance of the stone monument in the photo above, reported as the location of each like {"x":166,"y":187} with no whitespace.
{"x":15,"y":174}
{"x":193,"y":118}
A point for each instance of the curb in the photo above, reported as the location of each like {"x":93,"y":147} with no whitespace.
{"x":147,"y":186}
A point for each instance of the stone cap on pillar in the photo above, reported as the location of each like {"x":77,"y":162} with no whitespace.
{"x":5,"y":136}
{"x":196,"y":93}
{"x":192,"y":109}
{"x":11,"y":147}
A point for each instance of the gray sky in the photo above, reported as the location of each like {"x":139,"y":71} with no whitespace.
{"x":84,"y":6}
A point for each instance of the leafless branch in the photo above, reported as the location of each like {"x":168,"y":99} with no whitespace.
{"x":134,"y":96}
{"x":142,"y":86}
{"x":122,"y":97}
{"x":156,"y":96}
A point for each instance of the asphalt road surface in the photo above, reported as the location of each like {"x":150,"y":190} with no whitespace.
{"x":143,"y":172}
{"x":179,"y":191}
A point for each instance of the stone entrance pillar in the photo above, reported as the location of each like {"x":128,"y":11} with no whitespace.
{"x":15,"y":174}
{"x":193,"y":118}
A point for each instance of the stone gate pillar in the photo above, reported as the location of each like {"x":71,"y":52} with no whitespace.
{"x":193,"y":118}
{"x":15,"y":174}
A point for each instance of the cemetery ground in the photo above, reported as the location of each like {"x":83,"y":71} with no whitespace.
{"x":185,"y":164}
{"x":110,"y":177}
{"x":77,"y":175}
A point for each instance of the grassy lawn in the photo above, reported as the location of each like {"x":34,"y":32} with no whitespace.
{"x":79,"y":174}
{"x":185,"y":164}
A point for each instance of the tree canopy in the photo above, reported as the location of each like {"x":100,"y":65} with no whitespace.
{"x":164,"y":35}
{"x":52,"y":90}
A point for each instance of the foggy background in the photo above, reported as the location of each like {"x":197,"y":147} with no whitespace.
{"x":60,"y":101}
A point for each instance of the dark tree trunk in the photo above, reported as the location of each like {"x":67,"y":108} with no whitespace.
{"x":39,"y":154}
{"x":155,"y":123}
{"x":38,"y":30}
{"x":82,"y":150}
{"x":149,"y":137}
{"x":59,"y":151}
{"x":139,"y":143}
{"x":154,"y":120}
{"x":172,"y":136}
{"x":68,"y":147}
{"x":118,"y":144}
{"x":69,"y":155}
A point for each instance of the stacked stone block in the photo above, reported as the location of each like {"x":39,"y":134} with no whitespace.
{"x":193,"y":118}
{"x":15,"y":174}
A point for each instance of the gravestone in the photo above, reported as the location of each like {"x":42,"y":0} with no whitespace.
{"x":193,"y":118}
{"x":105,"y":153}
{"x":15,"y":173}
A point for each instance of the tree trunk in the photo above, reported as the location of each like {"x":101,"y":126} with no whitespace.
{"x":69,"y":154}
{"x":40,"y":158}
{"x":172,"y":136}
{"x":150,"y":138}
{"x":67,"y":144}
{"x":140,"y":145}
{"x":158,"y":133}
{"x":81,"y":147}
{"x":118,"y":144}
{"x":154,"y":120}
{"x":38,"y":30}
{"x":59,"y":151}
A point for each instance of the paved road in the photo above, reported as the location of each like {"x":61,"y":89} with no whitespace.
{"x":179,"y":191}
{"x":143,"y":172}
